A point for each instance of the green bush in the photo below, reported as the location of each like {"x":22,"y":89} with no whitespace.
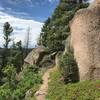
{"x":14,"y":89}
{"x":85,"y":90}
{"x":9,"y":76}
{"x":29,"y":78}
{"x":68,"y":67}
{"x":5,"y":92}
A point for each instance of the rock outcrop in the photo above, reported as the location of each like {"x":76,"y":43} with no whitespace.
{"x":85,"y":39}
{"x":41,"y":57}
{"x":35,"y":55}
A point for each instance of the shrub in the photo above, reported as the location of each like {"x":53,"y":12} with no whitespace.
{"x":10,"y":74}
{"x":68,"y":67}
{"x":13,"y":89}
{"x":29,"y":78}
{"x":5,"y":92}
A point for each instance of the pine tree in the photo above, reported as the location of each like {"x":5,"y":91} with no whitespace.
{"x":7,"y":32}
{"x":56,"y":28}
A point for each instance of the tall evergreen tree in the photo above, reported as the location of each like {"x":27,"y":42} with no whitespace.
{"x":7,"y":32}
{"x":56,"y":28}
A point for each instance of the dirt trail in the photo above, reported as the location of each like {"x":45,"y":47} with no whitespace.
{"x":41,"y":93}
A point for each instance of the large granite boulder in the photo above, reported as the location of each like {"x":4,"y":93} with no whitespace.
{"x":41,"y":57}
{"x":35,"y":56}
{"x":48,"y":60}
{"x":85,"y":39}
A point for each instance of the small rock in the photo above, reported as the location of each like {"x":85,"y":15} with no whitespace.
{"x":29,"y":93}
{"x":39,"y":93}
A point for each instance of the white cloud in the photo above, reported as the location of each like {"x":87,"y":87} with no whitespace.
{"x":52,"y":0}
{"x":20,"y":27}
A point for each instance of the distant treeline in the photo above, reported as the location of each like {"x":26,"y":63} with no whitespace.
{"x":10,"y":55}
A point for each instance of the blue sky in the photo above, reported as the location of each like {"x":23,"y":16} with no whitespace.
{"x":29,"y":9}
{"x":24,"y":14}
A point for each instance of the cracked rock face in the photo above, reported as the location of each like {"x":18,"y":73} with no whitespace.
{"x":85,"y":39}
{"x":40,"y":57}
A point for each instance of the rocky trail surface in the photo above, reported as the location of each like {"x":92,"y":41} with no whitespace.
{"x":41,"y":93}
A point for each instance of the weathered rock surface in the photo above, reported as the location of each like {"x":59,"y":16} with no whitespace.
{"x":85,"y":39}
{"x":28,"y":94}
{"x":35,"y":55}
{"x":68,"y":46}
{"x":41,"y":57}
